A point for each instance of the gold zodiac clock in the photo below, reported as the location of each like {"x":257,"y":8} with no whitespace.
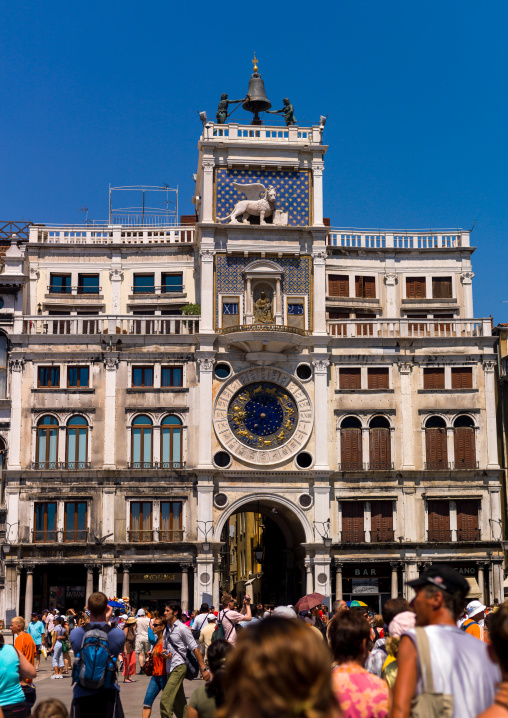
{"x":263,"y":416}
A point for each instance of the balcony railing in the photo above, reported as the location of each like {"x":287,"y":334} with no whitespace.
{"x":77,"y":536}
{"x":396,"y":328}
{"x":468,"y":535}
{"x":55,"y":536}
{"x":264,"y":328}
{"x":108,"y":324}
{"x":154,"y":535}
{"x":169,"y":536}
{"x":382,"y":535}
{"x":457,"y":465}
{"x":156,"y":465}
{"x":437,"y":466}
{"x":380,"y":466}
{"x":102,"y":233}
{"x":352,"y":537}
{"x":411,"y":239}
{"x":439,"y":535}
{"x":265,"y":133}
{"x":163,"y":289}
{"x":60,"y":465}
{"x":352,"y":466}
{"x":44,"y":536}
{"x":57,"y":289}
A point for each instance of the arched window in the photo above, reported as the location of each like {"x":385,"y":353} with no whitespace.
{"x":435,"y":444}
{"x":77,"y":443}
{"x":464,"y":443}
{"x":47,"y":443}
{"x":171,"y":443}
{"x":380,"y":455}
{"x":142,"y":442}
{"x":351,"y":445}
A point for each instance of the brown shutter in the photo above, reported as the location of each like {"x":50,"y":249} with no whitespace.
{"x":381,"y":521}
{"x":439,"y":520}
{"x":377,"y":378}
{"x":369,"y":287}
{"x":415,"y":288}
{"x":338,"y":285}
{"x":350,"y":378}
{"x":379,"y":449}
{"x":437,"y":455}
{"x":441,"y":287}
{"x":465,"y":449}
{"x":433,"y":378}
{"x":462,"y":378}
{"x":351,"y":449}
{"x":352,"y":522}
{"x":467,"y":520}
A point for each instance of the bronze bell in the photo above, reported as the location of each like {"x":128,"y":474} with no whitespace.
{"x":257,"y":101}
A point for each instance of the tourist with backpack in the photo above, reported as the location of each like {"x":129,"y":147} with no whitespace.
{"x":96,"y":647}
{"x":228,"y":618}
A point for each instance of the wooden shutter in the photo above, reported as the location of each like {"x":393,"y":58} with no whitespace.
{"x":377,"y":378}
{"x":379,"y":449}
{"x":338,"y":285}
{"x":437,"y":455}
{"x":433,"y":378}
{"x":352,"y":522}
{"x":381,"y":521}
{"x":439,"y":520}
{"x":338,"y":330}
{"x":350,"y":378}
{"x":441,"y":287}
{"x":415,"y":288}
{"x":467,"y":520}
{"x":462,"y":378}
{"x":465,"y":449}
{"x":351,"y":449}
{"x":365,"y":287}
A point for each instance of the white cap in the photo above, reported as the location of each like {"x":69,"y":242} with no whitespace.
{"x":284,"y":612}
{"x":474,"y":607}
{"x":124,"y":616}
{"x":140,"y":612}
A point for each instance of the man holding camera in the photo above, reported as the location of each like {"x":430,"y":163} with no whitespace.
{"x":229,"y":617}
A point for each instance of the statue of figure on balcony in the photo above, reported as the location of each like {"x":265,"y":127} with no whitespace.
{"x":222,"y":110}
{"x":263,"y":313}
{"x":288,"y":112}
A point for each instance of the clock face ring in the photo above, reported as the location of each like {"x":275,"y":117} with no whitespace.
{"x":263,"y":415}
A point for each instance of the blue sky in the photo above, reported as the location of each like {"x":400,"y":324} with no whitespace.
{"x":107,"y":92}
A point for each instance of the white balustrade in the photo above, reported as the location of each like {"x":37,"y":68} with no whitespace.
{"x":110,"y":324}
{"x":380,"y":239}
{"x":412,"y":328}
{"x":264,"y":133}
{"x":111,"y":234}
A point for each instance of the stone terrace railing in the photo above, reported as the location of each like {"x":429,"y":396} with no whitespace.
{"x":111,"y":234}
{"x":397,"y":239}
{"x":417,"y":328}
{"x":108,"y":324}
{"x":264,"y":133}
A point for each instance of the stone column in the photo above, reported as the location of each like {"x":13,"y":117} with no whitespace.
{"x":207,"y":190}
{"x":365,"y":445}
{"x":99,"y":587}
{"x":319,"y":290}
{"x":185,"y":587}
{"x":116,"y":276}
{"x":390,"y":280}
{"x":405,"y":369}
{"x":205,"y":363}
{"x":338,"y":580}
{"x":497,"y":570}
{"x":279,"y":319}
{"x":309,"y":578}
{"x":216,"y":583}
{"x":125,"y":579}
{"x":450,"y":446}
{"x":111,"y":363}
{"x":89,"y":580}
{"x":395,"y":579}
{"x":16,"y":370}
{"x":411,"y":573}
{"x":248,"y":302}
{"x":206,"y":256}
{"x":489,"y":367}
{"x":481,"y":580}
{"x":317,"y":178}
{"x":29,"y":592}
{"x":34,"y":278}
{"x":321,"y":365}
{"x":467,"y":294}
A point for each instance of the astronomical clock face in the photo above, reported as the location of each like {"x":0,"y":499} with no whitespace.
{"x":263,"y":416}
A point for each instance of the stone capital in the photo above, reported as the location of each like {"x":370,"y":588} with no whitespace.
{"x":390,"y":279}
{"x":111,"y":363}
{"x":89,"y":566}
{"x":320,"y":366}
{"x":206,"y":255}
{"x":185,"y":566}
{"x":34,"y":273}
{"x":208,"y":165}
{"x":206,"y":363}
{"x":405,"y":367}
{"x":116,"y":274}
{"x":16,"y":364}
{"x":394,"y":565}
{"x":317,"y":170}
{"x":126,"y":567}
{"x":29,"y":567}
{"x":338,"y":565}
{"x":489,"y":365}
{"x":467,"y":277}
{"x":319,"y":256}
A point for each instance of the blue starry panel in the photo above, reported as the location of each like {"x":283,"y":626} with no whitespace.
{"x":293,"y":192}
{"x":229,"y":276}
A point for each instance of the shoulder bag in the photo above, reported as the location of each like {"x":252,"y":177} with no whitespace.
{"x":429,"y":704}
{"x":189,"y":658}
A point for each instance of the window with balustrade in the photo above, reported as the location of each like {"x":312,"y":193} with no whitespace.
{"x":436,"y":450}
{"x":142,"y":443}
{"x":88,"y":284}
{"x":171,"y":443}
{"x":380,"y":458}
{"x":351,"y":444}
{"x":464,"y":443}
{"x":141,"y":521}
{"x":75,"y":521}
{"x":46,"y":456}
{"x":468,"y":528}
{"x":171,"y":282}
{"x":143,"y":284}
{"x":45,"y":522}
{"x":171,"y":521}
{"x":76,"y":452}
{"x":60,"y":283}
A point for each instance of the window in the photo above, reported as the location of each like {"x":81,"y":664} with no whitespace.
{"x":142,"y":443}
{"x":381,"y":521}
{"x":172,"y":283}
{"x":60,"y":283}
{"x":464,"y":443}
{"x":171,"y":443}
{"x":47,"y":443}
{"x":379,"y":444}
{"x":45,"y":522}
{"x":75,"y":521}
{"x":338,"y":285}
{"x":88,"y":284}
{"x":435,"y":444}
{"x":77,"y":443}
{"x":48,"y":377}
{"x":142,"y":376}
{"x":467,"y":520}
{"x":462,"y":378}
{"x":415,"y":288}
{"x":441,"y":287}
{"x":141,"y":521}
{"x":439,"y":520}
{"x":433,"y":378}
{"x":377,"y":378}
{"x":351,"y":445}
{"x":144,"y":284}
{"x":78,"y":376}
{"x":365,"y":287}
{"x":350,"y":378}
{"x":172,"y":376}
{"x":171,"y":521}
{"x":352,"y":522}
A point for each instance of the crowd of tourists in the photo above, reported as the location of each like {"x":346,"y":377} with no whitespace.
{"x":438,"y":656}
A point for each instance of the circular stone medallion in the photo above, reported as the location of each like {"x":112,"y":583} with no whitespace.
{"x":263,"y":416}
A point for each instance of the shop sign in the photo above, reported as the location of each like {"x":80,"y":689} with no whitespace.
{"x":466,"y":570}
{"x":364,"y":572}
{"x":154,"y":577}
{"x":75,"y":592}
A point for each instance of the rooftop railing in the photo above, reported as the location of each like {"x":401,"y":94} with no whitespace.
{"x":395,"y":239}
{"x":108,"y":324}
{"x":406,"y":327}
{"x":111,"y":234}
{"x":264,"y":133}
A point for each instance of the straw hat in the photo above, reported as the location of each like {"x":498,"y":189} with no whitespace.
{"x":130,"y":621}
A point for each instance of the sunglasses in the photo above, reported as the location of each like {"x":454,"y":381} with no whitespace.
{"x":157,"y":625}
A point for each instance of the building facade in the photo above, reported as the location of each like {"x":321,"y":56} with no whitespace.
{"x":333,"y":381}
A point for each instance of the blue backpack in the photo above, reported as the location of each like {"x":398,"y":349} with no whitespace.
{"x":94,"y":666}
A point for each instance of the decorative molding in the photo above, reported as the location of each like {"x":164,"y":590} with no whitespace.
{"x":16,"y":364}
{"x":207,"y":255}
{"x":320,"y":366}
{"x":111,"y":363}
{"x":116,"y":274}
{"x":390,"y":279}
{"x":467,"y":277}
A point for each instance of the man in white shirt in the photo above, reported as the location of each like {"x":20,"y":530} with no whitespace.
{"x":229,"y":617}
{"x":142,"y":644}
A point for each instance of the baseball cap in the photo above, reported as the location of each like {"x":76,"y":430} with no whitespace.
{"x":284,"y":612}
{"x":443,"y":577}
{"x":141,"y":612}
{"x":474,"y":607}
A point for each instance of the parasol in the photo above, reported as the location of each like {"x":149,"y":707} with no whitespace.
{"x":306,"y":603}
{"x":355,"y":604}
